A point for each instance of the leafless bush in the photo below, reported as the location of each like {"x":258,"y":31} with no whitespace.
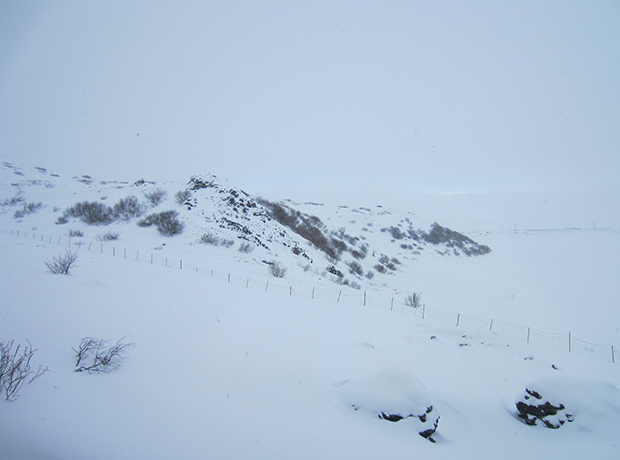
{"x":277,"y":270}
{"x":28,"y":208}
{"x":167,"y":222}
{"x":75,"y":233}
{"x":355,"y":268}
{"x":109,"y":236}
{"x":99,"y":356}
{"x":414,"y":300}
{"x":93,"y":213}
{"x":384,"y":259}
{"x":127,"y":208}
{"x":209,"y":238}
{"x":62,"y":220}
{"x":62,"y":264}
{"x":227,"y":243}
{"x":15,"y":368}
{"x":246,"y":248}
{"x":182,"y":196}
{"x":18,"y":198}
{"x":380,"y":268}
{"x":155,"y":197}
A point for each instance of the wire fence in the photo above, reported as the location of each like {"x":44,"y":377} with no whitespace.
{"x":567,"y":342}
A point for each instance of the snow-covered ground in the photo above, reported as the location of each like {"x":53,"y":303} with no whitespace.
{"x":221,"y":370}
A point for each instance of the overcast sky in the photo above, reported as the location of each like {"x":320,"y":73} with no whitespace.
{"x":445,"y":96}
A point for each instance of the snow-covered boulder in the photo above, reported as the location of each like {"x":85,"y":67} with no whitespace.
{"x":393,"y":394}
{"x":556,"y":400}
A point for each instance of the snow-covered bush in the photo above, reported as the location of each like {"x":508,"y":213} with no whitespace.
{"x":15,"y":368}
{"x":99,"y":356}
{"x":62,"y":264}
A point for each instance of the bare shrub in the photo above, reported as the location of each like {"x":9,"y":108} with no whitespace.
{"x":334,"y":271}
{"x":246,"y":247}
{"x":370,"y":275}
{"x":109,"y":236}
{"x":62,"y":264}
{"x":209,"y":238}
{"x":167,"y":222}
{"x":277,"y":270}
{"x":380,"y":268}
{"x":384,"y":259}
{"x":127,"y":208}
{"x":62,"y":220}
{"x":360,"y":254}
{"x":75,"y":233}
{"x":99,"y":356}
{"x":18,"y":198}
{"x":92,"y":213}
{"x":28,"y":208}
{"x":182,"y":196}
{"x":309,"y":227}
{"x":155,"y":197}
{"x":355,"y":285}
{"x":15,"y":368}
{"x":414,"y":300}
{"x":227,"y":243}
{"x":346,"y":282}
{"x":355,"y":268}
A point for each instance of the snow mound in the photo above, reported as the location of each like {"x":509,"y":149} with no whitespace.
{"x":556,"y":400}
{"x":393,"y":394}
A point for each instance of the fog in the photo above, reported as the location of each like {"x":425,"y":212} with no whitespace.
{"x":511,"y":109}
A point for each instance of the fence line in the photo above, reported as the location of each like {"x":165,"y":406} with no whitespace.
{"x":566,"y":342}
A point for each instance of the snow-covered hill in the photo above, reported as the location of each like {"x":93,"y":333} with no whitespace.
{"x":355,"y":247}
{"x":219,"y":370}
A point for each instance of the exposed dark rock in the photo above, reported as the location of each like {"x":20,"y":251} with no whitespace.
{"x":533,"y":407}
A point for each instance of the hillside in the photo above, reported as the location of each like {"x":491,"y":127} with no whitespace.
{"x":221,"y":369}
{"x":330,"y":243}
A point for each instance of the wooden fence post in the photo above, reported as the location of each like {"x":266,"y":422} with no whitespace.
{"x":528,"y":335}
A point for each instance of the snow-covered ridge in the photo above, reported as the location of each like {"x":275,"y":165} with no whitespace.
{"x":356,"y":247}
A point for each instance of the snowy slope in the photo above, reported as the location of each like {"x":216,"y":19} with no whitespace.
{"x":220,"y":370}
